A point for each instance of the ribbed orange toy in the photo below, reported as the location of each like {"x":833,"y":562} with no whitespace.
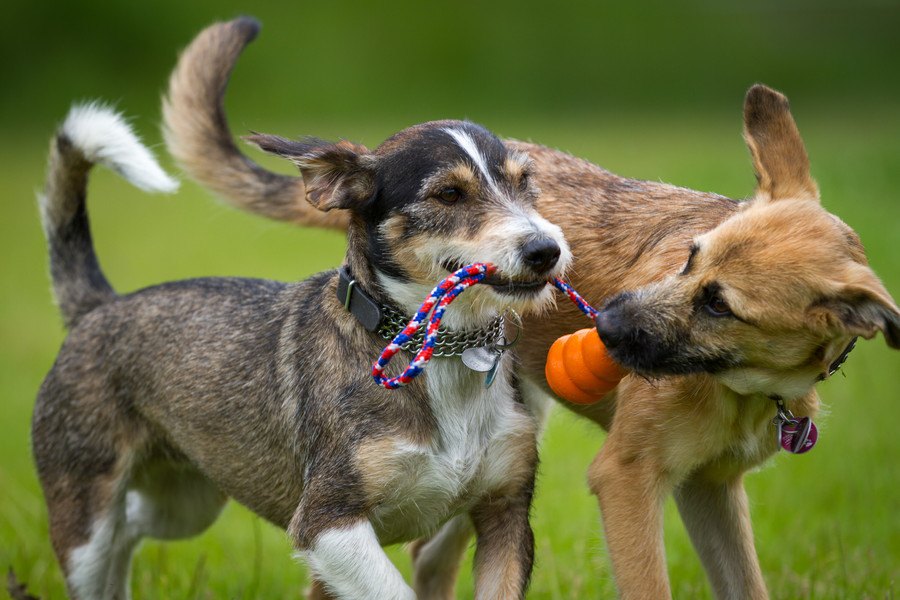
{"x":579,"y":369}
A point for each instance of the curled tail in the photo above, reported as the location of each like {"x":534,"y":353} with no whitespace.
{"x":91,"y":134}
{"x":197,"y":134}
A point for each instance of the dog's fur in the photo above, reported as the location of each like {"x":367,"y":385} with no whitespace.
{"x":721,"y":306}
{"x":164,"y":402}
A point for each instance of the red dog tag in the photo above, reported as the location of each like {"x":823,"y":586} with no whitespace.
{"x":797,"y":435}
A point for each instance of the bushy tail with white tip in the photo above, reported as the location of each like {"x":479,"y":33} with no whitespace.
{"x":91,"y":134}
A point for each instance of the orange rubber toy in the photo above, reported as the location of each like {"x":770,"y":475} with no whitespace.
{"x":579,"y":369}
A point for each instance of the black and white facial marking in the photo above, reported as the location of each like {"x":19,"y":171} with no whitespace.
{"x":470,"y":200}
{"x":432,"y":198}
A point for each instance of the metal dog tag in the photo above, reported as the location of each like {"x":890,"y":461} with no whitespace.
{"x":489,"y":378}
{"x":798,"y":436}
{"x":485,"y":359}
{"x":480,"y":359}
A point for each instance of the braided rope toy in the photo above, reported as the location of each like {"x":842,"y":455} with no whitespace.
{"x":600,"y":366}
{"x":438,"y":299}
{"x":576,"y":298}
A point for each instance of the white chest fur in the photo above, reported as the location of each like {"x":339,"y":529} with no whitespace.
{"x":476,"y":448}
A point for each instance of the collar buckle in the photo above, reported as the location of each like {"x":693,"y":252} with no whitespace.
{"x":360,"y":305}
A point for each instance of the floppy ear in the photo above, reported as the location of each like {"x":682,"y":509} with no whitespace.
{"x":337,"y":175}
{"x":863,"y":307}
{"x":779,"y":157}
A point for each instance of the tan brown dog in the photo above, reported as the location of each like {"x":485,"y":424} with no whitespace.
{"x":728,"y":310}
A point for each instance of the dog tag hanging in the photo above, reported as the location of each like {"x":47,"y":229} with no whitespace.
{"x":485,"y":359}
{"x":481,"y":359}
{"x":797,"y":436}
{"x":489,"y":378}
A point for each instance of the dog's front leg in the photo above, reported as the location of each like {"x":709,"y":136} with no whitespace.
{"x":504,"y":551}
{"x":717,"y":518}
{"x":346,"y":559}
{"x":631,"y":491}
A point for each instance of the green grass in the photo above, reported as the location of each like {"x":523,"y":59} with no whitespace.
{"x":827,"y":524}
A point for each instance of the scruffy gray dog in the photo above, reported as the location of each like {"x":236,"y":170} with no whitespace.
{"x":164,"y":402}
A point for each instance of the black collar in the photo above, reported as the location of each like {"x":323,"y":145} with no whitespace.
{"x":832,"y":369}
{"x":365,"y":309}
{"x":836,"y":364}
{"x":388,"y":321}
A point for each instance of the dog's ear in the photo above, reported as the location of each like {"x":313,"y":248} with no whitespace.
{"x":337,"y":175}
{"x":779,"y":157}
{"x":861,"y":307}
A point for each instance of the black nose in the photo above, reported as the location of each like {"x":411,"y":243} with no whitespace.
{"x":611,"y":326}
{"x":541,"y":254}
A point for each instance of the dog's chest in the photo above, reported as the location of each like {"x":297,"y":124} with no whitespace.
{"x":474,"y":449}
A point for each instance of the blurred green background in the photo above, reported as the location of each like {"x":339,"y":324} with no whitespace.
{"x":646,"y":89}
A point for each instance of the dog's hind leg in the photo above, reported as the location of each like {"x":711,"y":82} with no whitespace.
{"x":100,"y":567}
{"x":436,"y":560}
{"x":104,"y":489}
{"x":717,"y":518}
{"x":84,"y":485}
{"x":96,"y":522}
{"x":97,"y":565}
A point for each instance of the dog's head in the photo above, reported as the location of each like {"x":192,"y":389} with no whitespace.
{"x":430,"y":199}
{"x":768,"y":300}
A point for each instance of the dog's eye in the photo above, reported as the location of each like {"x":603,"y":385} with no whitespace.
{"x":717,"y":307}
{"x":449,"y":195}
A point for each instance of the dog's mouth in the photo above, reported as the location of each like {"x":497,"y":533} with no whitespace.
{"x":507,"y":286}
{"x":654,"y":358}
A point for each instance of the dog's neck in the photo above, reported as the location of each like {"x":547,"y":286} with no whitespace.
{"x":359,"y":264}
{"x":752,"y":412}
{"x":368,"y":277}
{"x":788,"y":385}
{"x":406,"y":296}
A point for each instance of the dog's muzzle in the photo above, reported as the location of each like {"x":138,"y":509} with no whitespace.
{"x":539,"y":256}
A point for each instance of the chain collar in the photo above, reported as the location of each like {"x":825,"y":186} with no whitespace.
{"x":449,"y":343}
{"x":388,"y":321}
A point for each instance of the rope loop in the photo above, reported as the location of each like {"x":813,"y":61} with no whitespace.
{"x":434,"y":305}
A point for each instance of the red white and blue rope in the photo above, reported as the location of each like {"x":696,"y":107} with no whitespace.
{"x":439,"y":298}
{"x":436,"y":303}
{"x":575,"y":297}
